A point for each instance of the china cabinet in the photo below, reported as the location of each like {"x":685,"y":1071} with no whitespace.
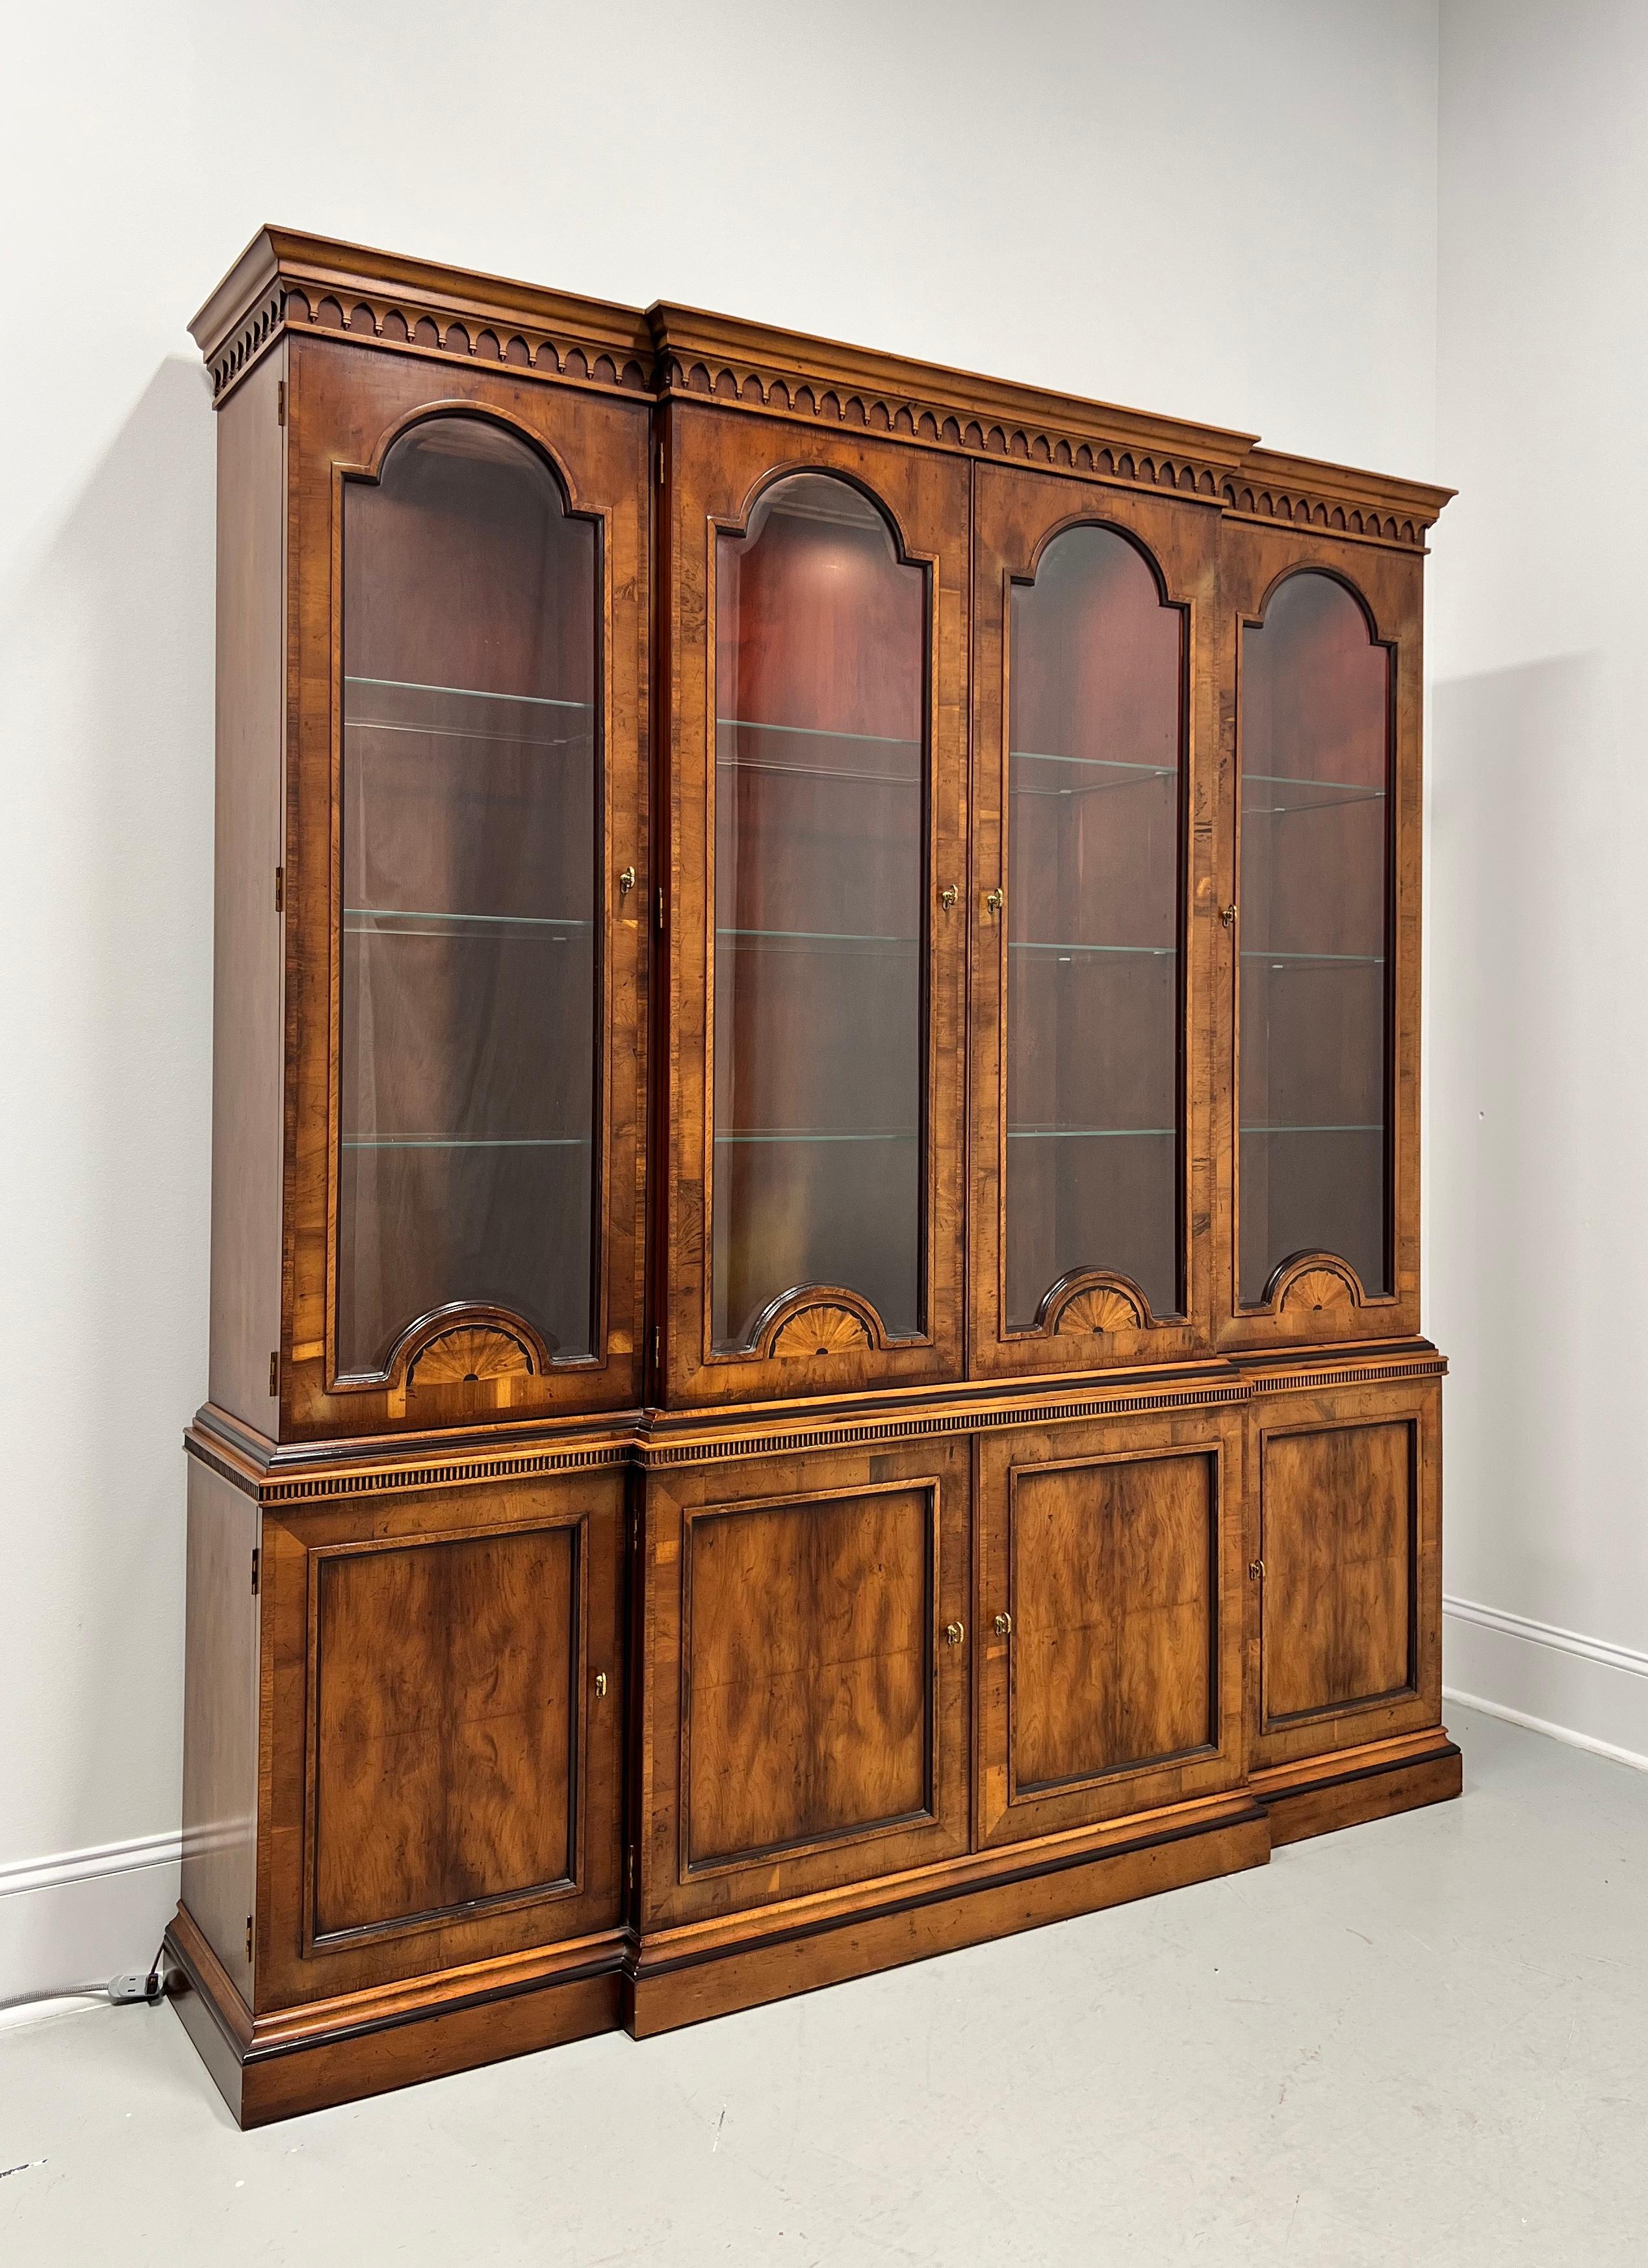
{"x":814,"y":1312}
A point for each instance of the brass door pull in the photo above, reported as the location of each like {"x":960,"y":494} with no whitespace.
{"x":1004,"y":1625}
{"x":626,"y":881}
{"x":994,"y":901}
{"x":600,"y":1685}
{"x":947,"y":897}
{"x":954,"y":1633}
{"x":1256,"y":1571}
{"x":1227,"y":915}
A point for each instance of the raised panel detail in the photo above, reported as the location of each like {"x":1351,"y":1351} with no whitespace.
{"x":807,"y":1716}
{"x":1115,"y":1614}
{"x":1337,"y":1509}
{"x":445,"y":1734}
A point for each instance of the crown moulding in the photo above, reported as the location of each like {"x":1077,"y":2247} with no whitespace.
{"x":287,"y":282}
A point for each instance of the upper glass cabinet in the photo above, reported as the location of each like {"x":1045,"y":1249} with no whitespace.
{"x":820,"y":935}
{"x":470,"y":960}
{"x":1093,"y":1001}
{"x":1314,"y":933}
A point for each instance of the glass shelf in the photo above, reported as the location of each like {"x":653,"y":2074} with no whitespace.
{"x":391,"y":920}
{"x":1132,"y":774}
{"x":1374,"y":1128}
{"x":1331,"y":959}
{"x":803,"y":1134}
{"x":1089,"y":1133}
{"x":1070,"y":951}
{"x":815,"y":937}
{"x":813,"y":732}
{"x":1340,"y":794}
{"x":446,"y":712}
{"x":466,"y":1141}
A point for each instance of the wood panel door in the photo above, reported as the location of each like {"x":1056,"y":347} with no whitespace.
{"x":806,"y":1720}
{"x":1092,"y":909}
{"x":1347,"y":1623}
{"x":465,"y":872}
{"x":1317,"y":1204}
{"x":443,"y":1751}
{"x":810,"y":1204}
{"x":1109,"y":1617}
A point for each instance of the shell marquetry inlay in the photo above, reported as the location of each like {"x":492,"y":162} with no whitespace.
{"x":1316,"y":1290}
{"x":820,"y":1330}
{"x":1104,"y":1309}
{"x":467,"y":1355}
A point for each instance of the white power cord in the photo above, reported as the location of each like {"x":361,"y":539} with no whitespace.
{"x":121,"y":1992}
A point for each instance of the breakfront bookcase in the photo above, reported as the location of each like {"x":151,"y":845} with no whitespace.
{"x":814,"y":1306}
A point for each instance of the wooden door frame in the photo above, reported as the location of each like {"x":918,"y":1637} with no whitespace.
{"x":1387,"y":583}
{"x":346,"y":407}
{"x":717,"y":462}
{"x":1017,"y":514}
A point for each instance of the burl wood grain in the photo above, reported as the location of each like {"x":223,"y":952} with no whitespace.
{"x":445,"y":1725}
{"x":1113,"y":1588}
{"x":1337,"y":1512}
{"x":810,"y":1671}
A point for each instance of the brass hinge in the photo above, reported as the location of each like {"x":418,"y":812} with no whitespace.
{"x":657,"y":1344}
{"x":629,"y":1868}
{"x":257,"y":1567}
{"x":660,"y":908}
{"x":280,"y":889}
{"x":248,"y":1937}
{"x":274,"y":1373}
{"x":660,"y":464}
{"x":280,"y":419}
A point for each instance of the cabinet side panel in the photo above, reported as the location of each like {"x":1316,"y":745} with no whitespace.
{"x":220,"y":1719}
{"x":246,"y":1105}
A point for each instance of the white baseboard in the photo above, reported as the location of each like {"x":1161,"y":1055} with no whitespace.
{"x":82,"y":1915}
{"x":1589,"y":1692}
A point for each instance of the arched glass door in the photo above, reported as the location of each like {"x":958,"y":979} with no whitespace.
{"x":470,"y":962}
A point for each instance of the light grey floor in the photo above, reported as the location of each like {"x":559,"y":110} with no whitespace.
{"x":1422,"y":2042}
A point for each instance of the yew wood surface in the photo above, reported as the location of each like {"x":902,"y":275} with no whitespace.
{"x":249,"y":830}
{"x":1345,"y":1619}
{"x":442,"y":1780}
{"x":1113,"y":1554}
{"x":809,"y":1673}
{"x":813,"y":1730}
{"x":450,"y":1682}
{"x":220,"y":1720}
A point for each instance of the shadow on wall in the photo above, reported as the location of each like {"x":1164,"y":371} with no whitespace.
{"x":1535,"y":1195}
{"x":106,"y":687}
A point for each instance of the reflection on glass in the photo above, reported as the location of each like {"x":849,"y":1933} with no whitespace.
{"x":1313,"y":932}
{"x":470,"y":960}
{"x":821,"y":726}
{"x":1094,"y":990}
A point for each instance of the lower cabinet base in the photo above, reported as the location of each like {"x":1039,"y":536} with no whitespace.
{"x":1323,"y":1793}
{"x":681,"y":1977}
{"x":308,"y":2058}
{"x":337,"y":2051}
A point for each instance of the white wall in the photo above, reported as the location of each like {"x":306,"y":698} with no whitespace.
{"x":1538,"y":1043}
{"x":1223,"y":207}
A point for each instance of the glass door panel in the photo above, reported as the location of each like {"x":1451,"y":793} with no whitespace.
{"x":819,"y":895}
{"x":1314,"y":936}
{"x":469,"y":955}
{"x":1094,"y":1148}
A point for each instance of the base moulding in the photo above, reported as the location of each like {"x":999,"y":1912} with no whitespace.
{"x":294,"y":2061}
